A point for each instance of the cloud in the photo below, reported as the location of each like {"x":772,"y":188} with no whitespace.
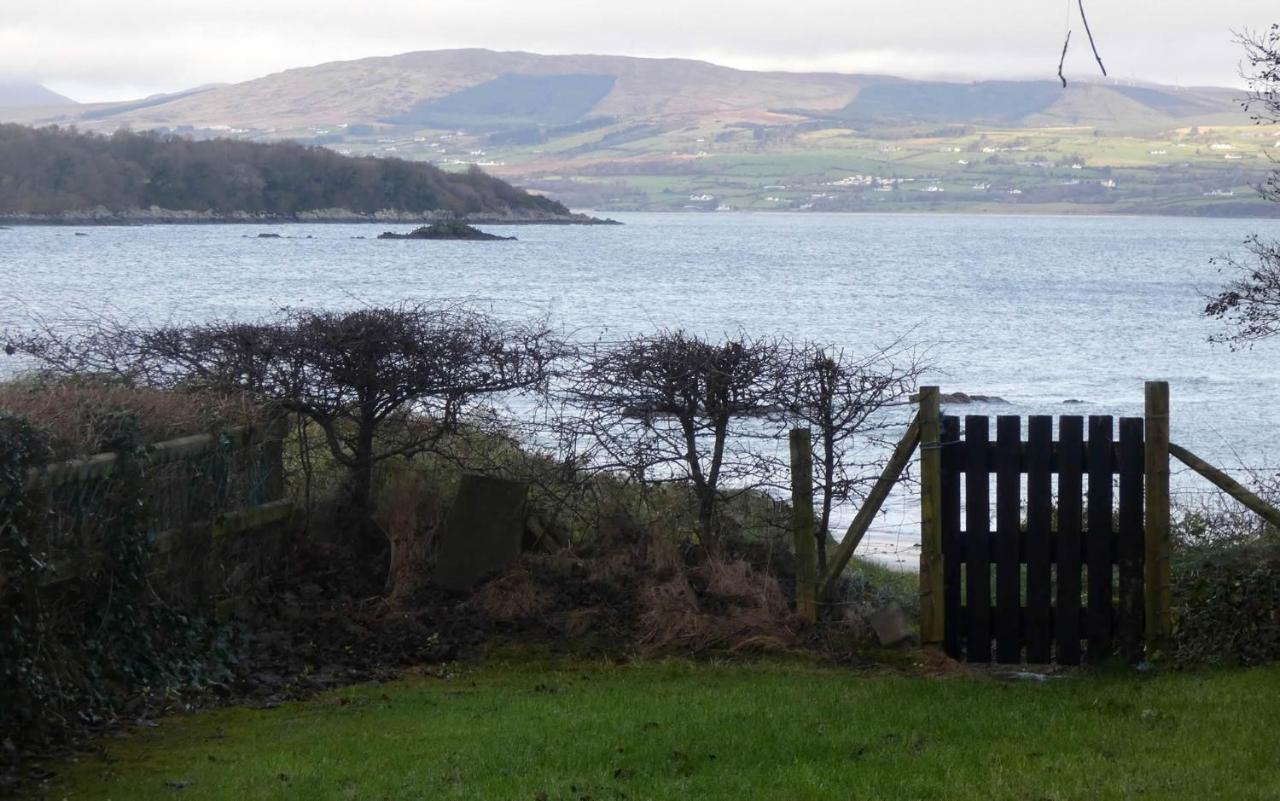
{"x":98,"y":50}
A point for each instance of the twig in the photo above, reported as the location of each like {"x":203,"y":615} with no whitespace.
{"x":1063,"y":60}
{"x":1091,"y":44}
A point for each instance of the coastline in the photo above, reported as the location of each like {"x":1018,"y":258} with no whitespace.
{"x":157,"y":216}
{"x":140,"y":217}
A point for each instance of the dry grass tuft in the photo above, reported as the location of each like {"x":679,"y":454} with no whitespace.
{"x":718,"y":604}
{"x":513,"y":597}
{"x":409,"y":513}
{"x":79,"y":417}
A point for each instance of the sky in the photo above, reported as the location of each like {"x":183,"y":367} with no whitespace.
{"x":98,"y":50}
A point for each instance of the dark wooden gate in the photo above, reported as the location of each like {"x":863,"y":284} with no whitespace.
{"x":1056,"y":573}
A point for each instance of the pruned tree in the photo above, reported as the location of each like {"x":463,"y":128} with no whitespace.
{"x":843,"y":398}
{"x":674,"y":406}
{"x":1250,"y":301}
{"x":379,"y":383}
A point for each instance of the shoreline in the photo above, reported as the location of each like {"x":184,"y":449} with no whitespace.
{"x":142,"y":217}
{"x":961,"y":211}
{"x":109,"y":219}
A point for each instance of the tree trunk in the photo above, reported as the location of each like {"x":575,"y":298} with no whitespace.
{"x":707,"y":529}
{"x":362,"y":529}
{"x":829,"y":468}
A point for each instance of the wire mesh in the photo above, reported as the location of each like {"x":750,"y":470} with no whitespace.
{"x":183,"y":482}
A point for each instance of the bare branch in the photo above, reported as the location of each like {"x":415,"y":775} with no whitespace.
{"x":1063,"y":60}
{"x":1088,"y":32}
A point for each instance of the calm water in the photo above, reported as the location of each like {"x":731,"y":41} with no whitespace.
{"x":1036,"y":310}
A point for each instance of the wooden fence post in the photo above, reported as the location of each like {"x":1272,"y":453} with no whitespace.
{"x":273,"y":453}
{"x":1157,"y":534}
{"x":932,"y":609}
{"x":802,"y":524}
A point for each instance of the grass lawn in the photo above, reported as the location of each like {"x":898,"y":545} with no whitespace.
{"x":675,"y":730}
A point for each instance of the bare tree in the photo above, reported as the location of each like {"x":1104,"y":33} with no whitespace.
{"x":673,"y":406}
{"x":379,"y":383}
{"x":842,"y":397}
{"x":1250,"y":301}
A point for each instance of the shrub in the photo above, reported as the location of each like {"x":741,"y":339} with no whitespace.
{"x":1226,"y":584}
{"x":79,"y":415}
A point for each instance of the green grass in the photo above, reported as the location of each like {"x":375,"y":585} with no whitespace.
{"x":674,"y":730}
{"x":1167,"y":171}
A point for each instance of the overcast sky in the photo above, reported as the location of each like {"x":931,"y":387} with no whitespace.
{"x":115,"y":49}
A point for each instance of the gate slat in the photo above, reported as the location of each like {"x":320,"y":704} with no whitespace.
{"x":1037,"y":540}
{"x":1130,"y":545}
{"x":952,"y":553}
{"x":977,"y":539}
{"x":1008,"y":523}
{"x":1067,"y":603}
{"x":1101,"y":559}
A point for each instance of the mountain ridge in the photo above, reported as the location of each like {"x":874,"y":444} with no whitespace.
{"x":378,"y":90}
{"x":23,"y":94}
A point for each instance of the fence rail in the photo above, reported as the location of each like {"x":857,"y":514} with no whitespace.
{"x":200,"y":486}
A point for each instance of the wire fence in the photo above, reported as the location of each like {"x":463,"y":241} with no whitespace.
{"x":179,"y":483}
{"x":893,"y":538}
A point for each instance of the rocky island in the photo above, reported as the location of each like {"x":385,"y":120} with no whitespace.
{"x":448,"y":230}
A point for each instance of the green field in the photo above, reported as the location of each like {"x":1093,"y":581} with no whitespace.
{"x":713,"y":166}
{"x":538,"y":731}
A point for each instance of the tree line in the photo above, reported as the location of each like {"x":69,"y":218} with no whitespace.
{"x":54,"y":170}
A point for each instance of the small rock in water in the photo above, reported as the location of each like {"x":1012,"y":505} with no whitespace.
{"x":269,"y":236}
{"x":447,"y":230}
{"x":963,"y":398}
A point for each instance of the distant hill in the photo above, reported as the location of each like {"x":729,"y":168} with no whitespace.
{"x":107,"y":111}
{"x":24,"y":94}
{"x":622,"y":133}
{"x":52,"y":172}
{"x":485,"y":91}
